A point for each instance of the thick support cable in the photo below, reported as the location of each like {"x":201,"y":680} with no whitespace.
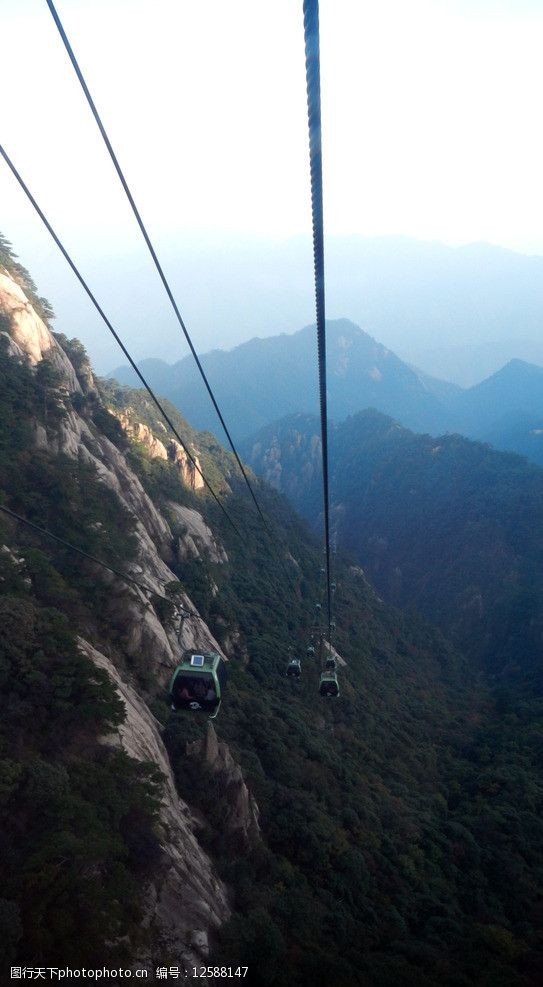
{"x":312,"y":69}
{"x":92,"y":558}
{"x":149,"y":244}
{"x":117,"y":338}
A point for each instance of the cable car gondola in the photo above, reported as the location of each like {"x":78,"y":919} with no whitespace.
{"x":311,"y":651}
{"x":330,"y":664}
{"x":329,"y":686}
{"x":198,"y":682}
{"x":294,"y":668}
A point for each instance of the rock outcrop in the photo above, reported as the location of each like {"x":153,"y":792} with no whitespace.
{"x":197,"y":539}
{"x":329,"y":649}
{"x":172,"y":452}
{"x":144,"y":637}
{"x":187,"y":469}
{"x":141,"y":433}
{"x":29,"y":332}
{"x":240,"y":811}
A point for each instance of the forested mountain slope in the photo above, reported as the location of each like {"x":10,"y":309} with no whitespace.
{"x":506,"y":409}
{"x":390,"y":838}
{"x":451,"y":527}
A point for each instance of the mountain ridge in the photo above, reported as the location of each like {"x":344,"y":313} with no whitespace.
{"x":265,"y":379}
{"x":288,"y":359}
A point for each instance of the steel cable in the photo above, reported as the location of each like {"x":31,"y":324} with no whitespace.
{"x":149,"y":244}
{"x":312,"y":67}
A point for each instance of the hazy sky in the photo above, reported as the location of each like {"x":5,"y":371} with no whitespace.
{"x":431,"y":125}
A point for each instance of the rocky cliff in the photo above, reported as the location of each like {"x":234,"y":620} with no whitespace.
{"x":168,"y":450}
{"x":240,"y":809}
{"x":186,"y":901}
{"x":28,"y":333}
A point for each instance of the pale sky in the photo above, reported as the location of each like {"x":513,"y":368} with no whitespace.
{"x":431,"y":122}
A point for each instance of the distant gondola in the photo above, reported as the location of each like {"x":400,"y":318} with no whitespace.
{"x":294,"y":668}
{"x":311,"y":651}
{"x":329,"y":686}
{"x":330,"y":664}
{"x":198,"y":682}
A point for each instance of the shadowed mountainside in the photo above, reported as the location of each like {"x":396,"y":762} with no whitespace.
{"x":445,"y":525}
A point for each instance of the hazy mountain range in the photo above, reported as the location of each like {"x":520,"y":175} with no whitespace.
{"x":262,"y":380}
{"x":456,"y":312}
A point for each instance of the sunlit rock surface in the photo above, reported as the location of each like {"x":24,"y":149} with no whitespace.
{"x":29,"y":332}
{"x":172,"y":451}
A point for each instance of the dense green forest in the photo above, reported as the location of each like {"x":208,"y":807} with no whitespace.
{"x":450,"y":527}
{"x":392,"y":820}
{"x":401,"y":831}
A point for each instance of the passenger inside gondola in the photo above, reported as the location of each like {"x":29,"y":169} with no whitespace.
{"x":193,"y":687}
{"x":294,"y":668}
{"x":329,"y":686}
{"x":199,"y":689}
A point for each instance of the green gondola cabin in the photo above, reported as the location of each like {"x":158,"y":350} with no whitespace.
{"x":294,"y":668}
{"x":198,"y":682}
{"x":329,"y":685}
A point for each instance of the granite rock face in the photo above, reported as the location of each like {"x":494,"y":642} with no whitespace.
{"x":186,"y":902}
{"x":239,"y":809}
{"x":30,"y":334}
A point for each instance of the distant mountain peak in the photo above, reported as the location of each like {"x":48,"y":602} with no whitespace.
{"x":512,"y":372}
{"x":523,"y":365}
{"x":264,"y":379}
